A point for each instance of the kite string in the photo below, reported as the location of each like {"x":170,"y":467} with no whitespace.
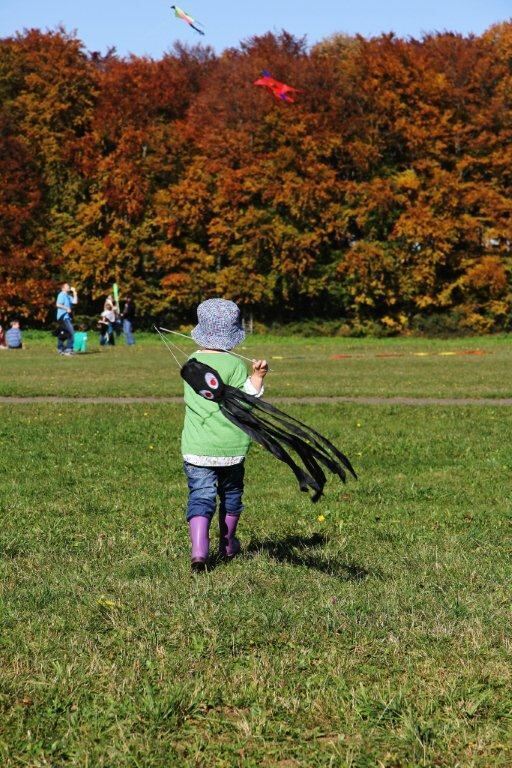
{"x":186,"y":355}
{"x":169,"y":345}
{"x":229,"y":352}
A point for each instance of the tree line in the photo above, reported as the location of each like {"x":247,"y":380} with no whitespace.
{"x":381,"y":197}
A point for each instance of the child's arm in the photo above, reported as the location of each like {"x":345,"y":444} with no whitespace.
{"x":259,"y":371}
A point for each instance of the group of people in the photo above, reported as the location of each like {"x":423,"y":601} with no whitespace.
{"x":11,"y":338}
{"x":220,"y":397}
{"x":112,"y":322}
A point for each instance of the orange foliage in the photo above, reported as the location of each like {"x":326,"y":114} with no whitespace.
{"x":381,"y":196}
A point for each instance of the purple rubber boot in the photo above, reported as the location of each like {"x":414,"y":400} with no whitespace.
{"x":229,"y":546}
{"x":198,"y":528}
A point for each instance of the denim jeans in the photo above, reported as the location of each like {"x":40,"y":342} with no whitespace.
{"x":68,"y":344}
{"x":107,"y":336}
{"x":206,"y":483}
{"x":128,"y":332}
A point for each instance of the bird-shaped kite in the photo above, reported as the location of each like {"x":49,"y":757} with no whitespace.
{"x":281,"y":91}
{"x":272,"y":429}
{"x":181,"y":14}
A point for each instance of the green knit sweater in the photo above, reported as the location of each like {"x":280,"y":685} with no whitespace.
{"x":206,"y":432}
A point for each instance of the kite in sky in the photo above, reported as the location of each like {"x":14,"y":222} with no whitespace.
{"x":281,"y":91}
{"x":181,"y":14}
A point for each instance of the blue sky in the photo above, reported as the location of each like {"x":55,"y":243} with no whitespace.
{"x":148,"y":26}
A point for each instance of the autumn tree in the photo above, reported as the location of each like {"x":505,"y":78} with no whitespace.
{"x":46,"y":100}
{"x":381,"y":198}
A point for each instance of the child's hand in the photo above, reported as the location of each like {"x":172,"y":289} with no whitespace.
{"x":259,"y":371}
{"x":259,"y":368}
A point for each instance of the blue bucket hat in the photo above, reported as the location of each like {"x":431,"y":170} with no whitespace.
{"x":219,"y":325}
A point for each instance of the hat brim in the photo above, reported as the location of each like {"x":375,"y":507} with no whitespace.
{"x":218,"y":341}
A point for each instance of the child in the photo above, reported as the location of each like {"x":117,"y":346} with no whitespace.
{"x":13,"y":336}
{"x":213,"y":449}
{"x":106,"y":324}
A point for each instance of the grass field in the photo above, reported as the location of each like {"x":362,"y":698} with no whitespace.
{"x":301,"y":367}
{"x":378,"y":636}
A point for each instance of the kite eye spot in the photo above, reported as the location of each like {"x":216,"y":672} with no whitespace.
{"x":211,"y":380}
{"x":206,"y":393}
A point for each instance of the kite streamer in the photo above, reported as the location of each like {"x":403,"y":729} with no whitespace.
{"x":273,"y":429}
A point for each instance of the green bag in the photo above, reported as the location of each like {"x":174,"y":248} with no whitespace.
{"x":80,"y":342}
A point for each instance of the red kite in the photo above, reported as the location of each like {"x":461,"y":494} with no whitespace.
{"x":281,"y":91}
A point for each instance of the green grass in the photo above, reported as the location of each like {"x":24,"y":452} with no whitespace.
{"x":378,"y":637}
{"x":300,"y":367}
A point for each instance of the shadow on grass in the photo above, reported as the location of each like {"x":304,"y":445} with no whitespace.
{"x":305,"y":551}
